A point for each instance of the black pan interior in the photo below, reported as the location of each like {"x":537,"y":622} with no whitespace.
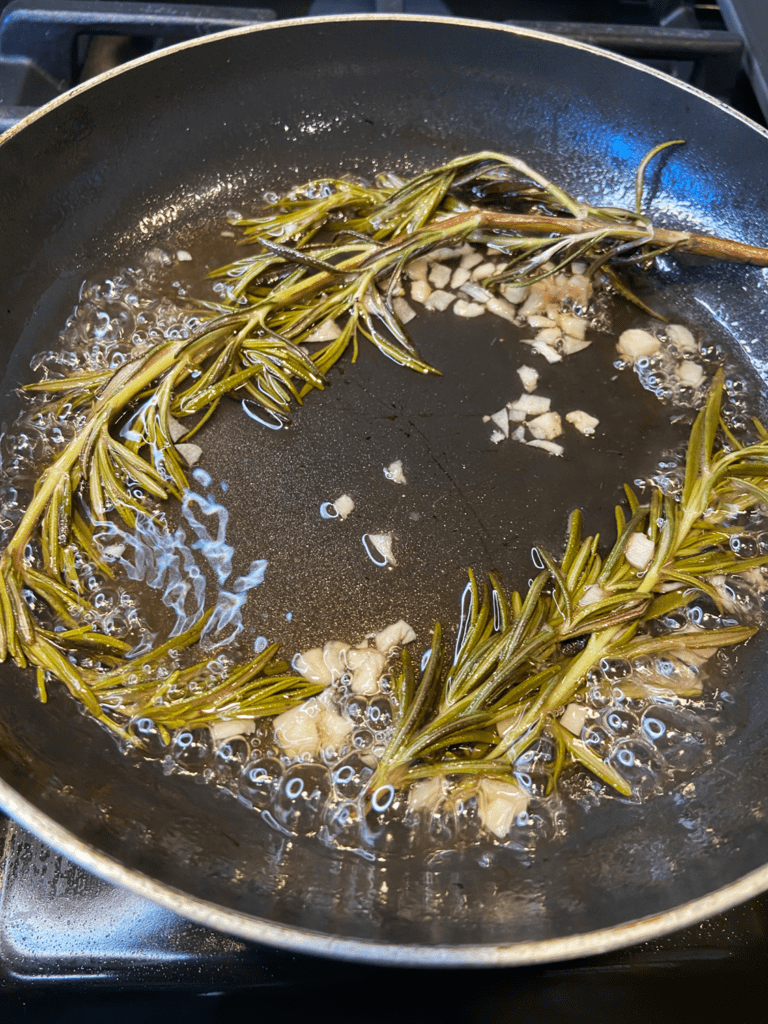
{"x":153,"y":156}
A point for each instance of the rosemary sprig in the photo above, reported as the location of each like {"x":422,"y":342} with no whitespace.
{"x":516,"y":668}
{"x":332,"y":251}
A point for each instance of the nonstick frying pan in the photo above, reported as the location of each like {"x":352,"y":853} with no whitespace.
{"x":152,"y":155}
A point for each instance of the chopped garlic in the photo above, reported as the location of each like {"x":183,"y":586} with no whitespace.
{"x":501,"y":419}
{"x":497,"y":436}
{"x":396,"y":635}
{"x":548,"y":446}
{"x":383,"y":544}
{"x":546,"y":427}
{"x":635,"y":344}
{"x":420,"y":291}
{"x":574,"y":717}
{"x":183,"y":256}
{"x":475,"y":291}
{"x":549,"y":353}
{"x":690,"y":373}
{"x":484,"y":270}
{"x":446,"y":252}
{"x":570,"y":346}
{"x":312,"y":664}
{"x":502,"y":308}
{"x":639,"y":551}
{"x":223,"y":731}
{"x":367,"y":668}
{"x":575,"y":326}
{"x":531,"y":405}
{"x":459,"y":276}
{"x":190,"y":453}
{"x":514,"y":293}
{"x":582,"y":421}
{"x":470,"y":260}
{"x":394,"y":472}
{"x":541,"y":322}
{"x":535,"y":302}
{"x":467,"y":309}
{"x":403,"y":311}
{"x":427,"y":794}
{"x":439,"y":275}
{"x":417,"y":270}
{"x":344,"y":505}
{"x":327,"y":331}
{"x":549,"y":335}
{"x":592,"y":595}
{"x":529,"y":378}
{"x":296,"y":730}
{"x":518,"y":434}
{"x":682,"y":338}
{"x":175,"y":429}
{"x":439,"y":300}
{"x":500,"y":805}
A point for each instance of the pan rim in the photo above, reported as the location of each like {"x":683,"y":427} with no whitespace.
{"x":294,"y":938}
{"x":301,"y":940}
{"x":278,"y":24}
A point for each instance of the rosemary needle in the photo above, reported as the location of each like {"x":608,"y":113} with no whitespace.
{"x":523,"y":672}
{"x":330,"y":256}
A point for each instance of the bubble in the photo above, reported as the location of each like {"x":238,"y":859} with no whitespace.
{"x":301,"y":794}
{"x":192,"y":748}
{"x":152,"y":742}
{"x":258,"y":781}
{"x":229,"y":759}
{"x":379,"y":714}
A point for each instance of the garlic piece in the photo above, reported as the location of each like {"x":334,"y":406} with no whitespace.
{"x":529,"y":378}
{"x":191,"y":453}
{"x":574,"y":717}
{"x":546,"y":427}
{"x":639,"y":551}
{"x":223,"y":731}
{"x":500,"y":307}
{"x":570,"y":346}
{"x":404,"y":312}
{"x":467,"y":309}
{"x":531,"y":405}
{"x":591,"y":595}
{"x":383,"y":544}
{"x":546,"y":350}
{"x":682,"y":338}
{"x":439,"y":275}
{"x":420,"y":291}
{"x":500,"y":805}
{"x":367,"y":668}
{"x":394,"y":472}
{"x":396,"y":635}
{"x":690,"y":373}
{"x":328,"y":331}
{"x":439,"y":301}
{"x":547,"y":446}
{"x":459,"y":276}
{"x":636,"y":344}
{"x":501,"y":419}
{"x":344,"y":505}
{"x":427,"y":794}
{"x":582,"y":421}
{"x":296,"y":730}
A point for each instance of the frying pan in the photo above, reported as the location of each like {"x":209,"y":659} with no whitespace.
{"x":152,"y":154}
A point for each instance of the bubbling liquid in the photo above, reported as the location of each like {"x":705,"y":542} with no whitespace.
{"x":656,"y":721}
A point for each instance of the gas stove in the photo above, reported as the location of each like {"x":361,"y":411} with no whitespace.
{"x":71,"y":943}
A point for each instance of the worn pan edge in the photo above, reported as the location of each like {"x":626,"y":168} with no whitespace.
{"x":294,"y":22}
